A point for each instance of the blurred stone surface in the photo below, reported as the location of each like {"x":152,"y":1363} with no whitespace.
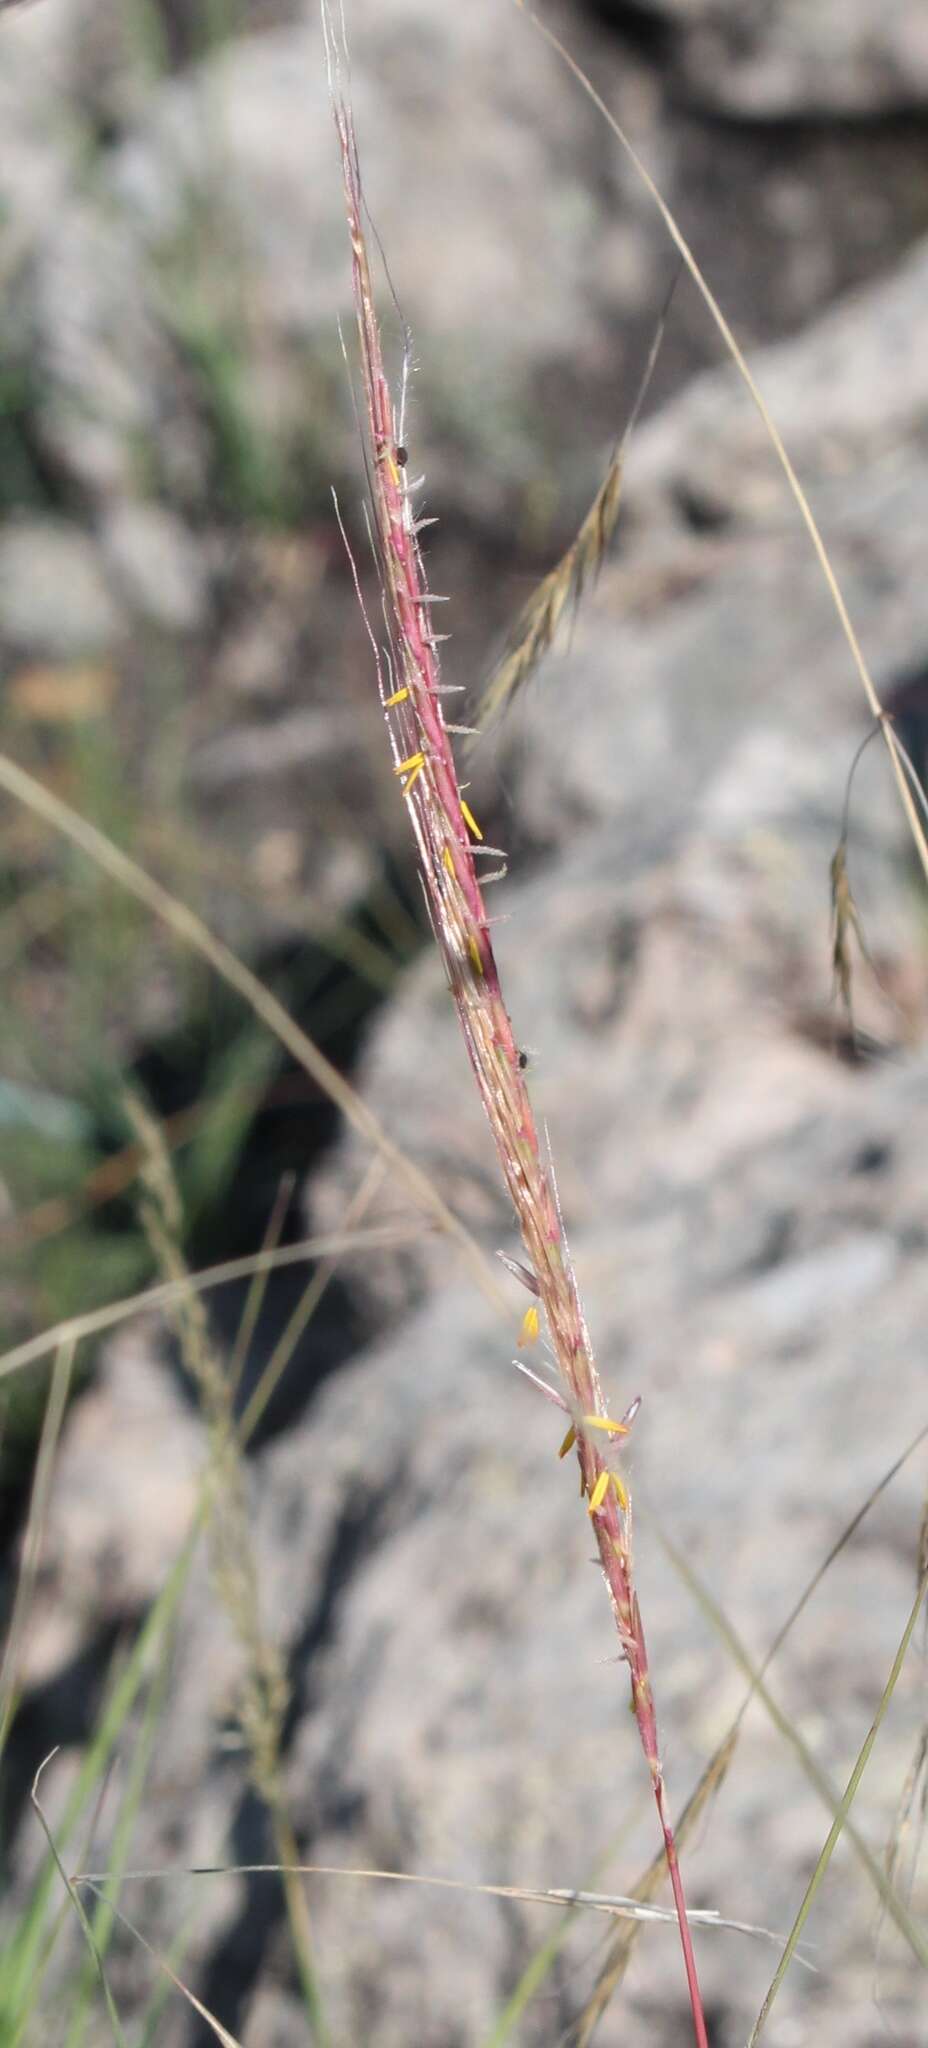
{"x":154,"y":560}
{"x":53,"y":596}
{"x":107,"y":1549}
{"x":837,"y":58}
{"x":841,"y":58}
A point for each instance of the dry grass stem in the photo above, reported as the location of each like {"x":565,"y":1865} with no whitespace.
{"x":265,"y":1692}
{"x":167,"y":1293}
{"x":216,"y":2028}
{"x":445,"y":832}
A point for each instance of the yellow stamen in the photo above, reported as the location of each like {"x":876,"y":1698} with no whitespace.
{"x":398,"y":697}
{"x":530,"y":1327}
{"x":474,"y":951}
{"x":599,"y":1492}
{"x":568,"y":1443}
{"x":412,"y":763}
{"x":448,"y":860}
{"x":606,"y":1423}
{"x":620,"y":1492}
{"x":469,"y":819}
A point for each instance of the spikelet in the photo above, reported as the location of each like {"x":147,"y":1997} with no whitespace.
{"x":579,"y":566}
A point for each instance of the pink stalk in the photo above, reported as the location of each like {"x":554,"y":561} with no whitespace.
{"x":445,"y":834}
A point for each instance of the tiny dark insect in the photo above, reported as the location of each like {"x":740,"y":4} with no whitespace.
{"x":402,"y":455}
{"x":523,"y":1059}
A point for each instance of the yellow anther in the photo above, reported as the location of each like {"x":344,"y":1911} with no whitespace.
{"x":599,"y":1492}
{"x":470,"y":820}
{"x":448,"y":860}
{"x":620,"y":1492}
{"x":530,"y":1327}
{"x":398,"y":697}
{"x":568,"y":1443}
{"x":606,"y":1423}
{"x":475,"y":954}
{"x":412,"y":764}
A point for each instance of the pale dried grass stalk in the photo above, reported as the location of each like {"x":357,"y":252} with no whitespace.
{"x":445,"y":832}
{"x":265,"y":1691}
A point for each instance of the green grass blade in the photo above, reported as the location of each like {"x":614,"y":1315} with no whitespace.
{"x":914,"y":1935}
{"x":29,"y":1951}
{"x":35,"y":1528}
{"x":77,"y":1903}
{"x":103,"y":1920}
{"x":840,"y":1819}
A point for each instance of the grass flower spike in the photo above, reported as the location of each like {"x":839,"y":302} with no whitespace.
{"x":446,"y":833}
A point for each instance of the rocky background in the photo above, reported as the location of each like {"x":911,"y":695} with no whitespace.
{"x":741,"y":1173}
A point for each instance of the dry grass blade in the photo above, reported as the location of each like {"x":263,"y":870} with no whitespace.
{"x":307,"y":1305}
{"x":168,"y":1292}
{"x":617,"y":1905}
{"x":800,"y":499}
{"x":578,"y":566}
{"x":254,"y":1300}
{"x":192,"y":932}
{"x":77,"y":1903}
{"x":840,"y":1819}
{"x":908,"y":1832}
{"x":34,"y":1532}
{"x":216,"y":2027}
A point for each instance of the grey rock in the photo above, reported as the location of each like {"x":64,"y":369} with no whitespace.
{"x":53,"y":596}
{"x":303,"y":740}
{"x":106,"y":1550}
{"x":861,"y":393}
{"x":839,"y":57}
{"x":157,"y":565}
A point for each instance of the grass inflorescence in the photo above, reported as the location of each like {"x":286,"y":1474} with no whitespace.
{"x":448,"y":839}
